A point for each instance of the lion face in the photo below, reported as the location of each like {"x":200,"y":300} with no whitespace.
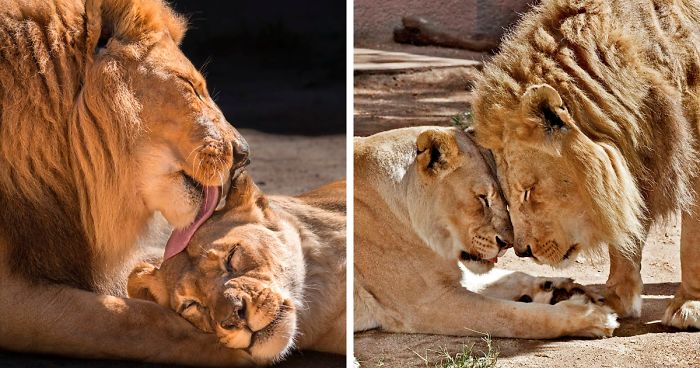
{"x":179,"y":141}
{"x":455,"y":203}
{"x":189,"y":144}
{"x":549,"y":170}
{"x":551,"y":221}
{"x":237,"y":279}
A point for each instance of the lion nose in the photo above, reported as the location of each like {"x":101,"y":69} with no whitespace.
{"x":241,"y":151}
{"x":502,"y":244}
{"x":237,"y":317}
{"x":526,"y":253}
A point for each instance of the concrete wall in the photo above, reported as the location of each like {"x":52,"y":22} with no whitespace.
{"x":375,"y":20}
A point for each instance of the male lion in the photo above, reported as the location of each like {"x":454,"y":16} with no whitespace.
{"x":591,"y":110}
{"x":265,"y":274}
{"x":103,"y":122}
{"x":424,"y":200}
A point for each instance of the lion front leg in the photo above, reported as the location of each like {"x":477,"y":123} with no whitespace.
{"x":684,"y":310}
{"x":53,"y":319}
{"x":624,"y":285}
{"x":460,"y":312}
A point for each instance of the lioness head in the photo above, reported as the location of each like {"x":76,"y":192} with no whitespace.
{"x":455,"y":203}
{"x":140,"y":82}
{"x":565,"y":192}
{"x":240,"y":277}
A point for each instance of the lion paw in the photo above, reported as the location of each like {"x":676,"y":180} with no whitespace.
{"x":552,"y":290}
{"x":588,"y":319}
{"x":626,"y":301}
{"x":682,"y":313}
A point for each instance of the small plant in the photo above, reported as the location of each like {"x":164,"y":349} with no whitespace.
{"x":463,"y":120}
{"x":464,"y":359}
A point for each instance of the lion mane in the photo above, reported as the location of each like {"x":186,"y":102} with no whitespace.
{"x":627,"y":71}
{"x":67,"y":127}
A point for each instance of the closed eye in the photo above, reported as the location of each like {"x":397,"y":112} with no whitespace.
{"x":228,"y":260}
{"x":526,"y":194}
{"x":484,"y":201}
{"x":187,"y":304}
{"x":194,"y":89}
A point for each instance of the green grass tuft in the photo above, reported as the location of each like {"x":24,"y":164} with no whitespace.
{"x":462,"y":120}
{"x":467,"y":358}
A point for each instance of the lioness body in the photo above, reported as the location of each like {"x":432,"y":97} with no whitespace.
{"x":103,"y":123}
{"x":591,"y":109}
{"x":424,"y":200}
{"x":266,"y":274}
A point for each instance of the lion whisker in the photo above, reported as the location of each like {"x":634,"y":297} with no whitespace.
{"x":193,"y":151}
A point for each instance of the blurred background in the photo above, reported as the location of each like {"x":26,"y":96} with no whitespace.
{"x":277,"y":66}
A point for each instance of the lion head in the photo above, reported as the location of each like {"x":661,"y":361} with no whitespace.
{"x":553,"y":174}
{"x":180,"y":140}
{"x":120,"y":125}
{"x":590,"y":144}
{"x":110,"y":125}
{"x":240,"y":277}
{"x":447,"y":192}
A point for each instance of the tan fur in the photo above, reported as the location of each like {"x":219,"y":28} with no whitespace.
{"x":100,"y":116}
{"x":591,"y":111}
{"x":266,"y":274}
{"x":425,"y":200}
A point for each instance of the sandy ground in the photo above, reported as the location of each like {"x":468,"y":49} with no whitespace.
{"x":280,"y":164}
{"x":432,"y":96}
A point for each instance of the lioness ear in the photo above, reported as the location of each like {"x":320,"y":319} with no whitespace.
{"x":544,"y":103}
{"x":246,"y":200}
{"x":243,"y":192}
{"x":437,"y":152}
{"x":145,"y":283}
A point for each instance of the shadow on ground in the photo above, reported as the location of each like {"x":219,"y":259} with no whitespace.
{"x":15,"y":360}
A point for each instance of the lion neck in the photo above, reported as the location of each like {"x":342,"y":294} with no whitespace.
{"x":321,"y":286}
{"x":384,"y":172}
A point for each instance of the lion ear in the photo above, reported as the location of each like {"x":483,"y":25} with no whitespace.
{"x":145,"y":283}
{"x":243,"y":192}
{"x":129,"y":21}
{"x":543,"y":103}
{"x":99,"y":31}
{"x":437,"y":152}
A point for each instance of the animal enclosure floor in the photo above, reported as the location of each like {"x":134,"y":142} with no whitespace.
{"x":431,"y":96}
{"x":280,"y":164}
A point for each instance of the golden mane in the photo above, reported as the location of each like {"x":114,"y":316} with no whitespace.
{"x":67,"y":123}
{"x":620,"y":75}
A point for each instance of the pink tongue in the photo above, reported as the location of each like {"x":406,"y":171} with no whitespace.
{"x":181,"y":237}
{"x":493,"y":260}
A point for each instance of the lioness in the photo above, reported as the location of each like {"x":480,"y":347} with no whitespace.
{"x":103,"y":123}
{"x":591,"y":109}
{"x":424,"y":200}
{"x":265,"y":274}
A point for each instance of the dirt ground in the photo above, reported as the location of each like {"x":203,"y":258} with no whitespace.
{"x":280,"y":164}
{"x":432,"y":96}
